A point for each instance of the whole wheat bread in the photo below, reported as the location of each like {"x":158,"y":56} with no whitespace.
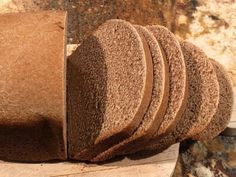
{"x":223,"y":114}
{"x":110,"y":80}
{"x":178,"y":92}
{"x":156,"y":110}
{"x":177,"y":77}
{"x":32,"y":99}
{"x":203,"y":98}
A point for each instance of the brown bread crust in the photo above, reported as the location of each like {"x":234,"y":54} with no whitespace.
{"x":32,"y":99}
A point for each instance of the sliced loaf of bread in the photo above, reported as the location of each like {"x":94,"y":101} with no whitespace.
{"x":178,"y":88}
{"x":223,"y":114}
{"x":154,"y":115}
{"x":110,"y":81}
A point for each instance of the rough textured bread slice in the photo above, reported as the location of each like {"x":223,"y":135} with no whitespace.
{"x":177,"y":77}
{"x":156,"y":110}
{"x":223,"y":114}
{"x":110,"y":80}
{"x":32,"y":86}
{"x":178,"y":90}
{"x":203,"y":98}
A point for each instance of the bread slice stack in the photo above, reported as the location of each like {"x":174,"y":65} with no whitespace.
{"x":110,"y":81}
{"x":133,"y":88}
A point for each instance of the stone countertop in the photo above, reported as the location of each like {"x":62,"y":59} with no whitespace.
{"x":215,"y":158}
{"x":210,"y":24}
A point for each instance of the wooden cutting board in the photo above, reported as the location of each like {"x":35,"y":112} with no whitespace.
{"x":162,"y":164}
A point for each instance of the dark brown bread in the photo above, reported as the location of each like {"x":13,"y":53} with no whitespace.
{"x":110,"y":80}
{"x":203,"y":98}
{"x":177,"y":77}
{"x":32,"y":86}
{"x":223,"y":114}
{"x":154,"y":115}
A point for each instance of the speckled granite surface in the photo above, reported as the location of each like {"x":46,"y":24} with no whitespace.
{"x":215,"y":158}
{"x":210,"y":24}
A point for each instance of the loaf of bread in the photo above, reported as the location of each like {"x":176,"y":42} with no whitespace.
{"x":32,"y":86}
{"x":127,"y":88}
{"x":197,"y":119}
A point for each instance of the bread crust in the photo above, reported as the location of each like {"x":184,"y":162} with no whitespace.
{"x":32,"y":86}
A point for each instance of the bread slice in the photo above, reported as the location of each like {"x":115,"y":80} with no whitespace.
{"x":110,"y":80}
{"x":223,"y":114}
{"x":203,"y":98}
{"x":32,"y":86}
{"x":178,"y":92}
{"x":177,"y":77}
{"x":154,"y":115}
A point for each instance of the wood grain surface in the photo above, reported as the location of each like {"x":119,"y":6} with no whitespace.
{"x":160,"y":164}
